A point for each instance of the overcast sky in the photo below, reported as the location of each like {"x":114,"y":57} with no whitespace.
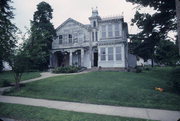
{"x":79,"y":10}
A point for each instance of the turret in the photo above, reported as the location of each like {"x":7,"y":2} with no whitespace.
{"x":94,"y":20}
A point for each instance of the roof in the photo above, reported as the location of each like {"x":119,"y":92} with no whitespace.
{"x":78,"y":23}
{"x":111,"y":18}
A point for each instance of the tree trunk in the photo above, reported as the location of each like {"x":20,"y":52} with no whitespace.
{"x":178,"y":21}
{"x":17,"y":79}
{"x":152,"y":62}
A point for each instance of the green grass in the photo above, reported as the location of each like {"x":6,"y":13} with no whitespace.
{"x":111,"y":88}
{"x":30,"y":113}
{"x":9,"y":76}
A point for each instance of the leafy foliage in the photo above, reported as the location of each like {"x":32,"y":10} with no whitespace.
{"x":41,"y":36}
{"x":7,"y":31}
{"x":165,"y":17}
{"x":154,"y":28}
{"x":66,"y":69}
{"x":175,"y":79}
{"x":19,"y":64}
{"x":167,"y":53}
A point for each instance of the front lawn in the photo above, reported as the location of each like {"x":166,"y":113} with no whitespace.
{"x":111,"y":88}
{"x":30,"y":113}
{"x":8,"y":77}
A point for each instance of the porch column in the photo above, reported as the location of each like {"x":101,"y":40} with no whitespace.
{"x":82,"y":57}
{"x":70,"y":58}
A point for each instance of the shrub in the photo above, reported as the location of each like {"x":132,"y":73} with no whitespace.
{"x":66,"y":69}
{"x":6,"y":83}
{"x":175,"y":78}
{"x":138,"y":69}
{"x":147,"y":69}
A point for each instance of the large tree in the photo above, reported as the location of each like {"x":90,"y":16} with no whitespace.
{"x":178,"y":21}
{"x":41,"y":36}
{"x":166,"y":53}
{"x":154,"y":27}
{"x":7,"y":31}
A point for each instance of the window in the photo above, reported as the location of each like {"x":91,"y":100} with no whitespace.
{"x":70,"y":38}
{"x":60,"y":39}
{"x":103,"y":54}
{"x":118,"y":53}
{"x":75,"y":37}
{"x":110,"y":33}
{"x":117,"y":30}
{"x":93,"y":36}
{"x":110,"y":53}
{"x":65,"y":38}
{"x":104,"y":31}
{"x":96,"y":36}
{"x":94,"y":23}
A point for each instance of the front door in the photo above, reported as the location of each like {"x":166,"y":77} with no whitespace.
{"x":95,"y":59}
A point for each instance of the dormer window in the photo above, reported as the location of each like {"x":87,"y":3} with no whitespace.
{"x":94,"y":23}
{"x":60,"y":39}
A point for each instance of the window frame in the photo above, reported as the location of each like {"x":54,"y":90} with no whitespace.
{"x":110,"y":30}
{"x":70,"y":38}
{"x":119,"y":53}
{"x":110,"y":54}
{"x":103,"y":31}
{"x":60,"y":39}
{"x":103,"y":54}
{"x":117,"y":30}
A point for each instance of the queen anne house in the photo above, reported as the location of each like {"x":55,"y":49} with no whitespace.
{"x":102,"y":43}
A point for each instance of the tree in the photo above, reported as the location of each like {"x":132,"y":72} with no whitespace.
{"x":7,"y":31}
{"x":165,"y":15}
{"x":19,"y":63}
{"x":178,"y":21}
{"x":41,"y":36}
{"x":148,"y":38}
{"x":154,"y":27}
{"x":166,"y":53}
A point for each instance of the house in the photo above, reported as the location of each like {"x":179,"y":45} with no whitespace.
{"x":6,"y":66}
{"x":102,"y":43}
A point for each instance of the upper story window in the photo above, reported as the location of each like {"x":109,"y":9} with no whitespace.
{"x":65,"y":39}
{"x":103,"y":31}
{"x":110,"y":30}
{"x":94,"y":23}
{"x":93,"y":36}
{"x":103,"y":54}
{"x":70,"y":38}
{"x":75,"y":37}
{"x":60,"y":39}
{"x":110,"y":53}
{"x":96,"y":36}
{"x":118,"y":53}
{"x":117,"y":32}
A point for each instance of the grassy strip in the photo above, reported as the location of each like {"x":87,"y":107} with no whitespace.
{"x":9,"y":77}
{"x":112,"y":88}
{"x":30,"y":113}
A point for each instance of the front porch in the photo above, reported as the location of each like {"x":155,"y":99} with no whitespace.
{"x":71,"y":57}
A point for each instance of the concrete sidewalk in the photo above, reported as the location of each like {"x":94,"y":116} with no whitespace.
{"x":153,"y":114}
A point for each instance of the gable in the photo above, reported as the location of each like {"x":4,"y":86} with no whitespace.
{"x":69,"y":23}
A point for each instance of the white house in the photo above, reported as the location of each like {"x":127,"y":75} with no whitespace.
{"x":101,"y":43}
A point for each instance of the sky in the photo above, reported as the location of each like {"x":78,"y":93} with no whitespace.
{"x":79,"y":10}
